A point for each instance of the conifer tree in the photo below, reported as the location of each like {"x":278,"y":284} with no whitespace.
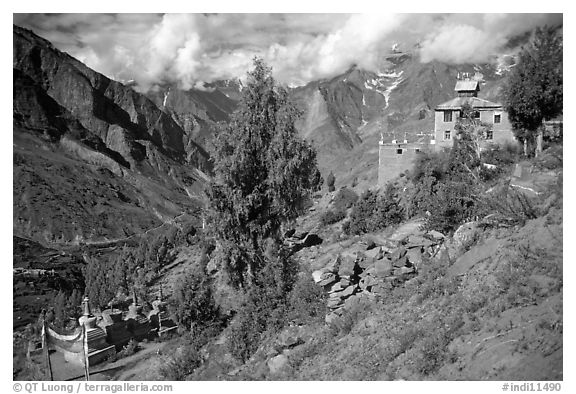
{"x":264,"y":173}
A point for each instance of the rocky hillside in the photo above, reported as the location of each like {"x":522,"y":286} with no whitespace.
{"x":93,"y":159}
{"x":196,"y":111}
{"x":484,"y":303}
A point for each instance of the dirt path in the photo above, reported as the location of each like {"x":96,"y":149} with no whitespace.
{"x":143,"y":365}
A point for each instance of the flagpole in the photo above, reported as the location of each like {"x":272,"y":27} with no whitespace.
{"x":85,"y":351}
{"x":45,"y":346}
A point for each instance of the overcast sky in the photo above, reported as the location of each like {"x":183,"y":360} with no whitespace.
{"x":190,"y":49}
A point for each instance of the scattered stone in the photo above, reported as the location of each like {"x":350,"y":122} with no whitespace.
{"x":367,"y":282}
{"x":398,"y":253}
{"x":336,"y":287}
{"x":334,"y":303}
{"x":312,"y":240}
{"x":417,"y":240}
{"x":334,"y":265}
{"x":415,"y":256}
{"x":436,"y":235}
{"x":365,"y":263}
{"x":300,"y":236}
{"x":329,"y":279}
{"x":369,"y":272}
{"x":400,"y":262}
{"x":347,"y":265}
{"x":348,"y":291}
{"x":383,"y":268}
{"x":370,"y":244}
{"x":375,"y":253}
{"x":407,"y":270}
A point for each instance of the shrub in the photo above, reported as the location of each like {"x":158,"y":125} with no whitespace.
{"x":307,"y":300}
{"x":330,"y":182}
{"x":184,"y":361}
{"x":452,"y":204}
{"x":185,"y":356}
{"x":266,"y":304}
{"x":344,"y":199}
{"x":502,"y":155}
{"x":192,"y":302}
{"x":332,"y":216}
{"x":375,"y":211}
{"x":510,"y":205}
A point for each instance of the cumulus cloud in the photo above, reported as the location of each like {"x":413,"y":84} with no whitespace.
{"x":191,"y":49}
{"x":471,"y":38}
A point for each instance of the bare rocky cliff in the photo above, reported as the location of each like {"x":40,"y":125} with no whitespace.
{"x":93,"y":159}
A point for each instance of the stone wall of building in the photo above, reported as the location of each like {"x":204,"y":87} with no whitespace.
{"x":395,"y":158}
{"x":502,"y":132}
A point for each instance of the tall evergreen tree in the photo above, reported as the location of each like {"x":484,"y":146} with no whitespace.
{"x":264,"y":172}
{"x":534,"y":89}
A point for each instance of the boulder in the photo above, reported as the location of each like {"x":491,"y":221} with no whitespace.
{"x":317,"y":275}
{"x":344,"y":282}
{"x":277,"y":364}
{"x":464,"y":234}
{"x":475,"y":255}
{"x":289,"y":338}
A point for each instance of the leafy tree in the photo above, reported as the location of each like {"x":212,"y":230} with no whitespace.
{"x":264,"y":173}
{"x":534,"y":89}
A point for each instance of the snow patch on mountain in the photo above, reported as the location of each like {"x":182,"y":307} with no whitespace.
{"x":165,"y":97}
{"x":385,"y":83}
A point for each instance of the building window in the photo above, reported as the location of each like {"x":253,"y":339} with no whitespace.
{"x":399,"y":151}
{"x":447,"y":135}
{"x":417,"y":150}
{"x":447,"y":116}
{"x":489,"y":134}
{"x":497,"y":118}
{"x":476,"y":114}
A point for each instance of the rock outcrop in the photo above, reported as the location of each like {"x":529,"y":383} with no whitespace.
{"x":93,"y":159}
